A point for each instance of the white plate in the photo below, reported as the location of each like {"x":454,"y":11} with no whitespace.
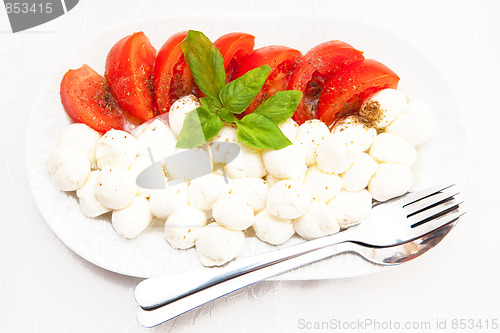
{"x":149,"y":255}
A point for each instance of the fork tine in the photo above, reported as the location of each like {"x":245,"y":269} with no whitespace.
{"x":424,"y":203}
{"x":416,"y":196}
{"x":426,"y":215}
{"x":436,"y":223}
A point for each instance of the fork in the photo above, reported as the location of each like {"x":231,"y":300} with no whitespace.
{"x":391,"y":223}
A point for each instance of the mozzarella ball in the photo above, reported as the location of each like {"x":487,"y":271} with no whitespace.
{"x":116,"y":148}
{"x":355,"y":132}
{"x":248,"y":163}
{"x":182,"y":226}
{"x":156,"y":136}
{"x":272,"y":229}
{"x":131,"y":221}
{"x":415,"y":124}
{"x":68,"y":168}
{"x":233,"y":212}
{"x":164,"y":202}
{"x":334,"y":155}
{"x":227,"y":133}
{"x":322,"y":186}
{"x":318,"y":221}
{"x":140,"y":164}
{"x":188,"y":164}
{"x":383,"y":107}
{"x":359,"y":174}
{"x":271,"y":180}
{"x":204,"y":191}
{"x":217,"y":245}
{"x":390,"y":148}
{"x":309,"y":136}
{"x":350,"y":208}
{"x":252,"y":190}
{"x":80,"y":137}
{"x":290,"y":129}
{"x":288,"y":199}
{"x":179,"y":110}
{"x":286,"y":163}
{"x":90,"y":206}
{"x":390,"y":181}
{"x":115,"y":187}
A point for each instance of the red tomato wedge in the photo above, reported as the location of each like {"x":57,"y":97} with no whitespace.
{"x":282,"y":60}
{"x":313,"y":70}
{"x":234,"y":47}
{"x":129,"y":70}
{"x":345,"y":91}
{"x":172,"y":78}
{"x":87,"y":99}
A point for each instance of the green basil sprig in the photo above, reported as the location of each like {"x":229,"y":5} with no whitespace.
{"x":223,"y":101}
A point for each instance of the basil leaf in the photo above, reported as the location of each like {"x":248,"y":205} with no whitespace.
{"x":226,"y":115}
{"x":212,"y":104}
{"x":199,"y":127}
{"x":237,"y":94}
{"x":205,"y":62}
{"x":281,"y":106}
{"x":259,"y":131}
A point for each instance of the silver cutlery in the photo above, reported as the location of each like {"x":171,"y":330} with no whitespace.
{"x":417,"y":221}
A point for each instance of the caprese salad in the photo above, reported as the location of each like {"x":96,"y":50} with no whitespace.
{"x":321,"y":135}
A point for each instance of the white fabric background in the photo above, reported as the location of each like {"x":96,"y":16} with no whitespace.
{"x":45,"y":287}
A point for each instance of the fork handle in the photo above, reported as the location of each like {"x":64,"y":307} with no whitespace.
{"x":157,"y":291}
{"x":166,"y":312}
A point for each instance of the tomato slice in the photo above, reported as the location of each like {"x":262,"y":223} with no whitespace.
{"x":129,"y":69}
{"x":282,"y":60}
{"x":87,"y":99}
{"x":345,"y":91}
{"x":172,"y":78}
{"x":312,"y":71}
{"x":234,"y":47}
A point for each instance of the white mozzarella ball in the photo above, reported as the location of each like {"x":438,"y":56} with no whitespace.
{"x":253,"y":190}
{"x":383,"y":107}
{"x":335,"y":155}
{"x":115,"y":187}
{"x":272,"y":229}
{"x":355,"y":132}
{"x":164,"y":202}
{"x":318,"y":221}
{"x":415,"y":124}
{"x":271,"y":180}
{"x":350,"y":208}
{"x":188,"y":164}
{"x":288,"y":199}
{"x":156,"y":136}
{"x":217,"y":245}
{"x":227,"y":133}
{"x":286,"y":163}
{"x":131,"y":221}
{"x":290,"y":129}
{"x":116,"y":148}
{"x":359,"y":174}
{"x":204,"y":191}
{"x":322,"y":186}
{"x":182,"y":226}
{"x":390,"y":148}
{"x":81,"y":137}
{"x":390,"y":181}
{"x":68,"y":168}
{"x":233,"y":212}
{"x":309,"y":136}
{"x":179,"y":110}
{"x":140,"y":164}
{"x":248,"y":163}
{"x":90,"y":206}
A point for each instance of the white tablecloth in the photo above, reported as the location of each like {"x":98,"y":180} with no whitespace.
{"x":45,"y":287}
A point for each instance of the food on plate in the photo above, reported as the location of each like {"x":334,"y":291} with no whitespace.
{"x":268,"y":140}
